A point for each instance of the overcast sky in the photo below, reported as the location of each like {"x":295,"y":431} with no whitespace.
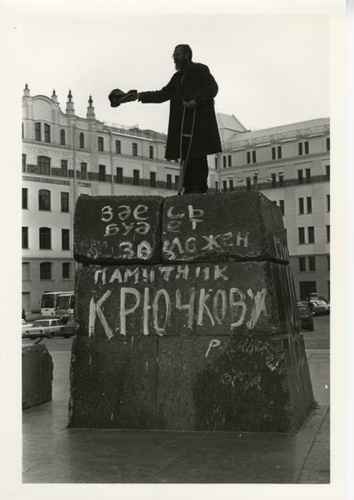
{"x":271,"y":69}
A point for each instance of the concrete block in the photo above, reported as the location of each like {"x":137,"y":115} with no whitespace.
{"x":117,"y":229}
{"x":114,"y":383}
{"x":37,"y":375}
{"x":205,"y":299}
{"x":221,"y":226}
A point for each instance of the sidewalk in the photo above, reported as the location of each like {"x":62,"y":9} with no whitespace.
{"x":54,"y":454}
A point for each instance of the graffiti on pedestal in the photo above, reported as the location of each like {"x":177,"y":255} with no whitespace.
{"x":185,"y":236}
{"x":170,"y":300}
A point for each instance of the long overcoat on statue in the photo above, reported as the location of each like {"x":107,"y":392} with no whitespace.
{"x":195,"y":83}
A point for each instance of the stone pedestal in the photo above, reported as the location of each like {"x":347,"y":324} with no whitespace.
{"x":206,"y":339}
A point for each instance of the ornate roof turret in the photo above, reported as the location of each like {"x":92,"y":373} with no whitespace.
{"x":90,"y":110}
{"x":70,"y":110}
{"x":26,"y":91}
{"x":54,"y":96}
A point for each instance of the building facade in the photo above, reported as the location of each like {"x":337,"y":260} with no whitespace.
{"x":290,"y":164}
{"x":65,"y":155}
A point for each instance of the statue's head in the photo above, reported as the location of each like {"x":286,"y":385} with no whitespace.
{"x":182,"y":56}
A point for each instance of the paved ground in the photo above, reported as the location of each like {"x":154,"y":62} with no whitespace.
{"x":54,"y":454}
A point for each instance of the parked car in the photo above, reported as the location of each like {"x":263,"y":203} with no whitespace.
{"x":319,"y":306}
{"x":306,"y":316}
{"x":44,"y":328}
{"x":69,"y":329}
{"x":25,"y":325}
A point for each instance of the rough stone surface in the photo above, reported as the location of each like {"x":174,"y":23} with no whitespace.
{"x":244,"y":383}
{"x":37,"y":375}
{"x":203,"y":335}
{"x":114,"y":383}
{"x":117,"y":229}
{"x":222,"y":226}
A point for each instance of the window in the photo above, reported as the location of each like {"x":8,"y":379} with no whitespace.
{"x":43,"y":165}
{"x":43,"y":199}
{"x":274,"y":180}
{"x":119,"y":175}
{"x":169,"y":181}
{"x":328,"y":144}
{"x":65,"y":239}
{"x":102,"y":173}
{"x":24,"y":237}
{"x":23,"y":163}
{"x":136,"y":177}
{"x":25,"y":271}
{"x":282,"y":207}
{"x":304,"y":148}
{"x":312,"y":263}
{"x":328,"y":203}
{"x":328,"y":233}
{"x":45,"y":238}
{"x":152,"y":179}
{"x":46,"y":132}
{"x":308,"y":175}
{"x":229,"y":160}
{"x":64,"y":168}
{"x":311,"y":234}
{"x":83,"y":170}
{"x":224,"y":185}
{"x":302,"y":264}
{"x":100,"y":144}
{"x":118,"y":147}
{"x":64,"y":201}
{"x":134,"y":149}
{"x":301,"y":231}
{"x":307,"y":287}
{"x":309,"y":204}
{"x":231,"y":185}
{"x":37,"y":131}
{"x":224,"y":162}
{"x":328,"y":172}
{"x":251,"y":157}
{"x":46,"y":270}
{"x":301,"y":205}
{"x":216,"y":186}
{"x":276,"y":152}
{"x":24,"y":198}
{"x":66,"y":270}
{"x":216,"y":162}
{"x":151,"y":152}
{"x":62,"y":137}
{"x":328,"y":262}
{"x":176,"y":181}
{"x":281,"y":180}
{"x":82,"y":142}
{"x":300,"y":177}
{"x":255,"y":181}
{"x":248,"y":183}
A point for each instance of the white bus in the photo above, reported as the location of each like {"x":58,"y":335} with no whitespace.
{"x":59,"y":304}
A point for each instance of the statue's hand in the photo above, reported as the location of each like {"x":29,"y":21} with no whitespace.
{"x":118,"y":97}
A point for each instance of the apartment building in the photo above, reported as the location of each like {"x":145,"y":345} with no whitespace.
{"x":290,"y":164}
{"x":64,"y":156}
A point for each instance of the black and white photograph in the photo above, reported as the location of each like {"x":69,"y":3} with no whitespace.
{"x":181,"y":268}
